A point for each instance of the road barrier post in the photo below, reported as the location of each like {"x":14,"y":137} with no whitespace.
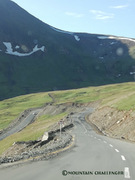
{"x":61,"y":123}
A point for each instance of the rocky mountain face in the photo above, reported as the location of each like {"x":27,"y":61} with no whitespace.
{"x":36,"y":57}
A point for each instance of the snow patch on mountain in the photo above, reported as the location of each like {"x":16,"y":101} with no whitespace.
{"x":113,"y":43}
{"x":76,"y":38}
{"x":9,"y":50}
{"x":66,"y":32}
{"x":61,"y":31}
{"x":17,"y":47}
{"x":123,"y":38}
{"x":101,"y":57}
{"x":131,"y":73}
{"x":114,"y":37}
{"x":102,"y":37}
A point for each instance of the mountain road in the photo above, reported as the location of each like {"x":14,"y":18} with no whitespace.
{"x":19,"y":126}
{"x":93,"y":157}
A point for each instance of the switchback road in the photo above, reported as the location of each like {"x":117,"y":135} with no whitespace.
{"x":94,"y":157}
{"x":19,"y":126}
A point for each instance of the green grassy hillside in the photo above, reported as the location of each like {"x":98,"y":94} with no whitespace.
{"x":119,"y":96}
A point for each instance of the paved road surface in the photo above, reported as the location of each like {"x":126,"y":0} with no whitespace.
{"x":21,"y":125}
{"x":92,"y":152}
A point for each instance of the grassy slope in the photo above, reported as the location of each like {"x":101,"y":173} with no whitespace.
{"x":32,"y":132}
{"x":120,"y":96}
{"x":11,"y":108}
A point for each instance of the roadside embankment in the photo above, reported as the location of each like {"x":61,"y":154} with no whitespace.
{"x":39,"y":149}
{"x":114,"y":123}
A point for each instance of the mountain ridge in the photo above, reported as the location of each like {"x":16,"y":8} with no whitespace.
{"x":35,"y":56}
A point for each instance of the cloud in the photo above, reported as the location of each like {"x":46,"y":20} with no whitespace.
{"x":101,"y":15}
{"x":119,"y":7}
{"x":75,"y":15}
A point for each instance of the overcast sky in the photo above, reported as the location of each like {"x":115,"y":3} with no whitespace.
{"x":112,"y":17}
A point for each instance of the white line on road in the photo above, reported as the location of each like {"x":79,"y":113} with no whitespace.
{"x":123,"y":158}
{"x":105,"y":142}
{"x":117,"y":150}
{"x":84,"y":127}
{"x":126,"y":173}
{"x":110,"y":145}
